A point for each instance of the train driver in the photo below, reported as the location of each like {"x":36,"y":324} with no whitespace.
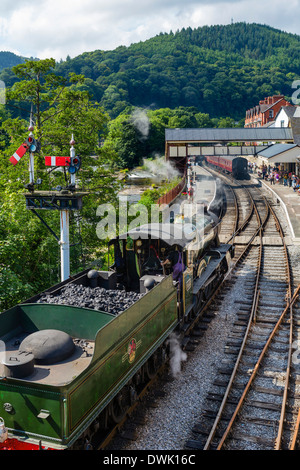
{"x":174,"y":258}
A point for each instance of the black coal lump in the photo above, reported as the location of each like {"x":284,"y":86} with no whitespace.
{"x":98,"y":298}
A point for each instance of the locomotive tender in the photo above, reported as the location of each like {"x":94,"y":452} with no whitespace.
{"x":70,"y":369}
{"x":237,"y":166}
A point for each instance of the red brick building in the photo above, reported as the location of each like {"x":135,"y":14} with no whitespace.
{"x":265,"y":111}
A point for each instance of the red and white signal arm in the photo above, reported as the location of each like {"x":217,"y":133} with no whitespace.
{"x":57,"y":161}
{"x":19,"y":153}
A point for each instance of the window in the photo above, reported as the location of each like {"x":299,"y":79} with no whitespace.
{"x":271,"y":113}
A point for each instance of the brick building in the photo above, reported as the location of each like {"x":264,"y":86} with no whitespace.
{"x":265,"y":112}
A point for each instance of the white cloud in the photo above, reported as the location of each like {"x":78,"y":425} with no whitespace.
{"x":56,"y":28}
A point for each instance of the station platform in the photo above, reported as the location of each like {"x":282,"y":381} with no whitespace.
{"x":204,"y":191}
{"x":289,"y":201}
{"x":204,"y":187}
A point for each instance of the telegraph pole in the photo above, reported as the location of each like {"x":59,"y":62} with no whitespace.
{"x":64,"y":245}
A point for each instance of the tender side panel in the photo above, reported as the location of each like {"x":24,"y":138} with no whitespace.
{"x":28,"y":407}
{"x":122,"y":344}
{"x":31,"y":411}
{"x":121,"y":347}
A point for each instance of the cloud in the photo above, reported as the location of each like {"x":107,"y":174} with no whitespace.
{"x":57,"y":28}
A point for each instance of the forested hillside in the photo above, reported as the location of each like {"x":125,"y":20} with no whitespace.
{"x":9,"y":59}
{"x":221,"y":70}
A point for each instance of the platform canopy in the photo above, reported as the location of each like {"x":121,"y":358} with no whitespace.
{"x":204,"y":135}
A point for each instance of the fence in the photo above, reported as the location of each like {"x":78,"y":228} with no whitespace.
{"x":173,"y":193}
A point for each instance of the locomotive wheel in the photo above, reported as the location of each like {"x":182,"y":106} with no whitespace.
{"x":152,"y":366}
{"x":118,"y":408}
{"x":208,"y":290}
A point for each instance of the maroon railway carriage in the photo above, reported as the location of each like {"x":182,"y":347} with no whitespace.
{"x":237,"y":166}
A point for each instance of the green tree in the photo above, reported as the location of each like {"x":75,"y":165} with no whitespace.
{"x":127,"y":140}
{"x":29,"y":254}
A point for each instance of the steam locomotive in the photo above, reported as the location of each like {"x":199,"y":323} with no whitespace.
{"x":75,"y":356}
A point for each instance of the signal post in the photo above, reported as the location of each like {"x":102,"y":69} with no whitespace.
{"x":65,"y":219}
{"x":61,"y":199}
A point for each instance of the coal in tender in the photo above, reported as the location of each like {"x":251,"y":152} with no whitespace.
{"x":97,"y":298}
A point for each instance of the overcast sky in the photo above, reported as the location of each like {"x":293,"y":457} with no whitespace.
{"x":57,"y":28}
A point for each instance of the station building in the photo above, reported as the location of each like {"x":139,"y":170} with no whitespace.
{"x":181,"y":144}
{"x":285,"y":157}
{"x":278,"y":142}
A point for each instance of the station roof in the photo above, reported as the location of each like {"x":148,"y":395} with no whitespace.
{"x":276,"y":149}
{"x":274,"y":134}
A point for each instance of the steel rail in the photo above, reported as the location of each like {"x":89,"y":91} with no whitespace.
{"x":257,"y":231}
{"x":237,"y":229}
{"x":255,"y":370}
{"x":251,"y":321}
{"x":244,"y":224}
{"x":236,"y":222}
{"x":289,"y":361}
{"x":290,"y":302}
{"x":296,"y":431}
{"x":253,"y":309}
{"x":286,"y":386}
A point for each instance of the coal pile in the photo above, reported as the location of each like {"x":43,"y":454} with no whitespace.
{"x":110,"y":301}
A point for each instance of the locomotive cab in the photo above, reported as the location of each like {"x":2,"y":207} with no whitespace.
{"x":141,"y":254}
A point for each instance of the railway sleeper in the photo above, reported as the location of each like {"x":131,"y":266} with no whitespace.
{"x":195,"y":444}
{"x":254,"y":439}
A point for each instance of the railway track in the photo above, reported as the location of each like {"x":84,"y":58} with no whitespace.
{"x":252,"y":404}
{"x":255,"y":402}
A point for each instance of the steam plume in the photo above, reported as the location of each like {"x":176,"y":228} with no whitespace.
{"x":177,"y":355}
{"x":161,"y":168}
{"x":141,"y":122}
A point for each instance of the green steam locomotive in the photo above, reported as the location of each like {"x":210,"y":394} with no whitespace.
{"x":73,"y":358}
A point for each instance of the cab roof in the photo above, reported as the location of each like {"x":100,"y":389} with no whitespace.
{"x":172,"y":234}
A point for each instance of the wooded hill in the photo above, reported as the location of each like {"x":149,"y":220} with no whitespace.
{"x":221,"y":70}
{"x":9,"y":59}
